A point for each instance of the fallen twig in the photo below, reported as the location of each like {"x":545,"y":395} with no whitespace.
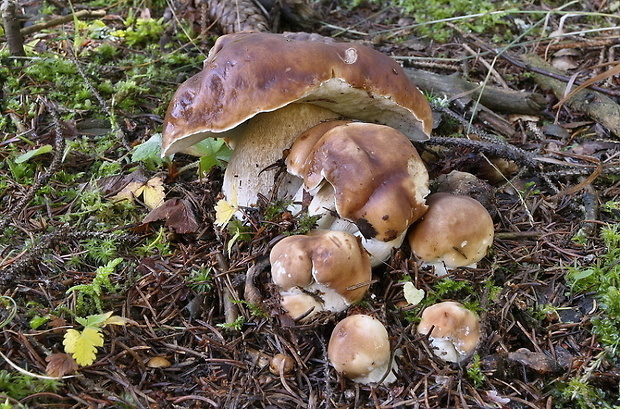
{"x":62,"y":20}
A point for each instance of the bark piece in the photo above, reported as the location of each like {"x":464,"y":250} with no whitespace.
{"x":11,"y":29}
{"x":496,"y":99}
{"x":596,"y":105}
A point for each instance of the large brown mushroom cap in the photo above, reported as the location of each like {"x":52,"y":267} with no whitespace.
{"x":378,"y":178}
{"x":453,"y":330}
{"x":248,"y":73}
{"x":331,"y":263}
{"x":456,"y":231}
{"x":359,"y":348}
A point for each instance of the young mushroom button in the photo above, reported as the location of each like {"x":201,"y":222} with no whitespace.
{"x":456,"y":231}
{"x":247,"y":80}
{"x":323,"y":270}
{"x":453,"y":330}
{"x":359,"y":348}
{"x":367,"y":174}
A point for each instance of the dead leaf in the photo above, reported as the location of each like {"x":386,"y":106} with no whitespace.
{"x":59,"y":365}
{"x":177,"y":214}
{"x":112,"y":185}
{"x":537,"y":361}
{"x":152,"y":192}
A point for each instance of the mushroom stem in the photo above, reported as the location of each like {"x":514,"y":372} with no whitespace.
{"x":261,"y":145}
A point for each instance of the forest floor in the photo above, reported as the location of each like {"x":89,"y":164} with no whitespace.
{"x":155,"y":306}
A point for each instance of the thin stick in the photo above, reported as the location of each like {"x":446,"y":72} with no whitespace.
{"x":62,"y":20}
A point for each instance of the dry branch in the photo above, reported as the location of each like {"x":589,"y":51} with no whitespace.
{"x":599,"y":107}
{"x":62,"y":20}
{"x":496,"y":99}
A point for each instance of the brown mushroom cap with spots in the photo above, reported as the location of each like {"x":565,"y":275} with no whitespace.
{"x":249,"y":73}
{"x":330,"y":265}
{"x":454,"y":331}
{"x":359,"y":348}
{"x":456,"y":231}
{"x":377,"y":178}
{"x":259,"y":91}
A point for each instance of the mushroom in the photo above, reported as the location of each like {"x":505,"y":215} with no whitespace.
{"x":247,"y":80}
{"x":324,"y":270}
{"x":367,"y":174}
{"x":454,"y":331}
{"x":456,"y":231}
{"x":359,"y":348}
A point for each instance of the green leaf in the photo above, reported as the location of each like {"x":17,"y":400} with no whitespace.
{"x":94,"y":320}
{"x":35,"y":152}
{"x":148,"y":151}
{"x":212,"y":152}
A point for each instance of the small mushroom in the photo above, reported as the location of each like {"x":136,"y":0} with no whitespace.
{"x":281,"y":363}
{"x":456,"y":231}
{"x":367,"y":174}
{"x":359,"y":348}
{"x":247,"y":80}
{"x":453,"y":330}
{"x":323,"y":270}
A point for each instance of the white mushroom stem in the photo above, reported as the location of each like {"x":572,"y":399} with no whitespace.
{"x":260,"y":145}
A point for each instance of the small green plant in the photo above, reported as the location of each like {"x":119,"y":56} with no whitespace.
{"x":95,"y":290}
{"x":255,"y":310}
{"x":474,"y":371}
{"x":82,"y":345}
{"x":601,"y":278}
{"x":200,"y":280}
{"x":18,"y":386}
{"x":236,"y":325}
{"x":158,"y":243}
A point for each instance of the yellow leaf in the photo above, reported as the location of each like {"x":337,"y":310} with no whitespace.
{"x":116,"y":320}
{"x":223,"y":212}
{"x":412,"y":294}
{"x":153,"y":193}
{"x":83,"y":345}
{"x":128,"y":192}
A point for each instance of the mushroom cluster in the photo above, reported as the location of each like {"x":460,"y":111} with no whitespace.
{"x":323,"y":270}
{"x":259,"y":91}
{"x":366,"y":179}
{"x":339,"y":118}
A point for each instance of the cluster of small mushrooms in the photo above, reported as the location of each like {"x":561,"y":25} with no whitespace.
{"x":342,"y":116}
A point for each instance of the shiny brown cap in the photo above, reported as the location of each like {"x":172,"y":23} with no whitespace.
{"x":359,"y":348}
{"x":453,"y":330}
{"x":331,"y":259}
{"x":248,"y":73}
{"x":456,"y":230}
{"x":378,"y":177}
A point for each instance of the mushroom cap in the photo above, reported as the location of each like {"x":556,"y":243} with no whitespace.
{"x":456,"y":230}
{"x":454,"y":330}
{"x":359,"y":348}
{"x":297,"y":304}
{"x":331,"y":263}
{"x":249,"y":73}
{"x":378,"y":178}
